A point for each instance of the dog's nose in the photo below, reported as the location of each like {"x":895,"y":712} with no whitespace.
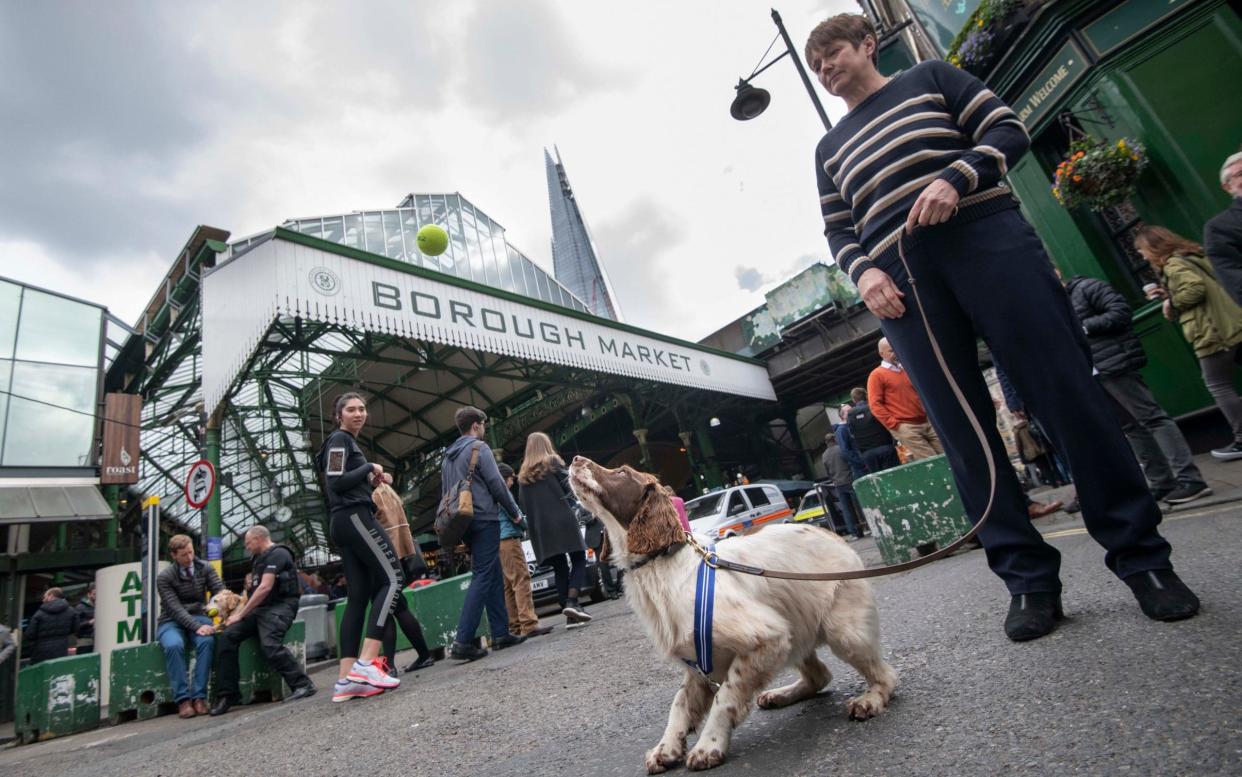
{"x":578,"y":460}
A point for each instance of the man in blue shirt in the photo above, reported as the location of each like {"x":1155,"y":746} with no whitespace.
{"x":916,"y":167}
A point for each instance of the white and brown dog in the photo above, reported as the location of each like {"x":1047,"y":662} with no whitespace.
{"x":760,"y":625}
{"x":225,"y":604}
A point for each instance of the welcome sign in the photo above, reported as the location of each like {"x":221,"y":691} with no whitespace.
{"x":297,"y":277}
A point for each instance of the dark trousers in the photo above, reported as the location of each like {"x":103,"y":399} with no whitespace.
{"x":487,"y":587}
{"x":845,"y":498}
{"x":881,"y":458}
{"x":1161,"y":449}
{"x":990,"y":278}
{"x":373,"y":575}
{"x":569,"y":574}
{"x":270,"y":623}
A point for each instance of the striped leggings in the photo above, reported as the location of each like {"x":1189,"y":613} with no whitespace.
{"x":372,"y":575}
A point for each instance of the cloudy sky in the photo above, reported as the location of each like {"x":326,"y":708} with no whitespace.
{"x":126,"y":124}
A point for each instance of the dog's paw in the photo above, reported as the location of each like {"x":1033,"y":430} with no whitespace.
{"x":701,"y":758}
{"x":865,"y":706}
{"x":769,"y":700}
{"x":662,"y":757}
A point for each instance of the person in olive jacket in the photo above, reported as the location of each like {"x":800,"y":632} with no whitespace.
{"x":1211,"y":321}
{"x":1118,"y":356}
{"x":50,"y":628}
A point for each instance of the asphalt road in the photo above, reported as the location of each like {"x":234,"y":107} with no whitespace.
{"x":1109,"y":693}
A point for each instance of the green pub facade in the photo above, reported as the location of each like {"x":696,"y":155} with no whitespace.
{"x":1165,"y":73}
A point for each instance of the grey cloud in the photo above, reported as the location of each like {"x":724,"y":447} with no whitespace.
{"x":633,"y":248}
{"x":104,"y":106}
{"x":524,"y":64}
{"x":748,"y":278}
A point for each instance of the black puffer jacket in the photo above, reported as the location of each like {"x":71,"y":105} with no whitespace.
{"x":1106,"y":318}
{"x":47,"y":636}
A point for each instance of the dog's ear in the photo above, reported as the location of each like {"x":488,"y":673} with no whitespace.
{"x":655,"y":525}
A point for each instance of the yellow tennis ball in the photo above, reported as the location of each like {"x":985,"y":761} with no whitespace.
{"x":212,"y":612}
{"x":432,"y":240}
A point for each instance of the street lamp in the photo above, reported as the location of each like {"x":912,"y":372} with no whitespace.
{"x":751,"y":101}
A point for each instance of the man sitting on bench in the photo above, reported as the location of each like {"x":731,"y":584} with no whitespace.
{"x":183,"y":589}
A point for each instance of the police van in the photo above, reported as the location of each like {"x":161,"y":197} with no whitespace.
{"x":737,"y":510}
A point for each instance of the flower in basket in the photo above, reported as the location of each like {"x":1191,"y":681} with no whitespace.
{"x":1097,"y":174}
{"x":976,"y":50}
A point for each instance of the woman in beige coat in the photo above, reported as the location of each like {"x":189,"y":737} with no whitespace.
{"x":1211,"y":321}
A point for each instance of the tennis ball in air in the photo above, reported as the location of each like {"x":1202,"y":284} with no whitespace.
{"x":432,"y":240}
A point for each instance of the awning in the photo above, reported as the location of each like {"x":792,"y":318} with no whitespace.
{"x":52,"y":504}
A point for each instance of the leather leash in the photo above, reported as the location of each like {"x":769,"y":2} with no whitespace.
{"x":712,"y":559}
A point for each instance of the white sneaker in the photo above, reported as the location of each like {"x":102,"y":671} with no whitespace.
{"x":344,"y":690}
{"x":575,"y":616}
{"x":372,"y":675}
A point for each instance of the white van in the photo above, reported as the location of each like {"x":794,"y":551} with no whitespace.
{"x":737,"y":510}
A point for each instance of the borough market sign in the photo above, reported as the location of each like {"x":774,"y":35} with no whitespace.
{"x":292,"y":275}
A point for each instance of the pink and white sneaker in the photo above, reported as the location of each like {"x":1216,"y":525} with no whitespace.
{"x":371,"y":674}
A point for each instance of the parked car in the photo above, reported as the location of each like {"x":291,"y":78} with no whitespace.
{"x":737,"y":510}
{"x":811,"y":510}
{"x":543,"y":579}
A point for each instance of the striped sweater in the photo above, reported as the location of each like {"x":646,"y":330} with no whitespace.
{"x":931,"y":121}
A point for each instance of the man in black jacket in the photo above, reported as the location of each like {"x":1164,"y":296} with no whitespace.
{"x":874,"y":442}
{"x":183,"y":589}
{"x":86,"y":620}
{"x":1222,"y":235}
{"x":1118,"y":356}
{"x":50,"y":628}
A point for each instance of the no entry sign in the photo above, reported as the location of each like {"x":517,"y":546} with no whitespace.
{"x":200,"y":483}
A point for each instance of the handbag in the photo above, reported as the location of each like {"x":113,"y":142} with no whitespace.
{"x":1029,"y":448}
{"x":456,"y":509}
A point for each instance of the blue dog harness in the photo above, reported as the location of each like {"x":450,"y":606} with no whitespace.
{"x":704,"y":597}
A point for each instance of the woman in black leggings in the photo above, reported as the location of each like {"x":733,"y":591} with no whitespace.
{"x":372,"y":572}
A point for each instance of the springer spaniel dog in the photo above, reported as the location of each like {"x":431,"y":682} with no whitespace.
{"x":760,"y":625}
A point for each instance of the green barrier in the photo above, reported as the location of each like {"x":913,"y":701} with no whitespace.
{"x":57,"y":697}
{"x":139,"y":687}
{"x":912,"y":509}
{"x":437,"y":607}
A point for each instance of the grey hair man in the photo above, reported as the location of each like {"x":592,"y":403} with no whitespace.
{"x":1222,"y":235}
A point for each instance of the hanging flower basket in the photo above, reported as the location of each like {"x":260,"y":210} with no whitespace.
{"x":1099,"y":175}
{"x":984,"y":36}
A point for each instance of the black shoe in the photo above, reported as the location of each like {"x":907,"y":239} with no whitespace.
{"x":223,"y":705}
{"x":421,"y":663}
{"x":1031,"y":616}
{"x":1230,"y":453}
{"x":460,"y":652}
{"x":1161,"y":595}
{"x":301,"y":692}
{"x":1073,"y":507}
{"x":1183,"y":494}
{"x":538,"y":631}
{"x":1160,"y":493}
{"x":508,"y":640}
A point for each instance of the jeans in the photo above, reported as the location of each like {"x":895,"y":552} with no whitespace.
{"x":487,"y":587}
{"x":570,"y":574}
{"x":990,"y":278}
{"x":173,"y":639}
{"x":1158,"y":443}
{"x":881,"y":458}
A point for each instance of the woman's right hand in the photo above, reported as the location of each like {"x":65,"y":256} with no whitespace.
{"x":377,"y":471}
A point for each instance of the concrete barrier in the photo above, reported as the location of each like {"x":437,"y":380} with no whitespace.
{"x":437,"y":607}
{"x":912,"y":509}
{"x":57,"y":697}
{"x":139,"y":687}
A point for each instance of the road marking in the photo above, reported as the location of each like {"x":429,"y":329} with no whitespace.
{"x":1173,"y":517}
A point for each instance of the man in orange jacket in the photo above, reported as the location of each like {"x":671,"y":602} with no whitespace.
{"x":895,"y":402}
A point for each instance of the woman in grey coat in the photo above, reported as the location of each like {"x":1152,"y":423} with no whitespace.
{"x":545,"y":498}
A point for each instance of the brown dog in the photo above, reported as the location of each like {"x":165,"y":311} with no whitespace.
{"x":760,"y":625}
{"x":226,"y":603}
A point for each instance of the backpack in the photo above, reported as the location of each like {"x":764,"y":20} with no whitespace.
{"x":456,"y":508}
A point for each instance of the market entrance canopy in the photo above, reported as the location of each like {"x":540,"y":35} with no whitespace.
{"x":291,"y":276}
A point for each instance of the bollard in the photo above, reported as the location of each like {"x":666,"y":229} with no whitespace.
{"x":57,"y":697}
{"x":912,"y":509}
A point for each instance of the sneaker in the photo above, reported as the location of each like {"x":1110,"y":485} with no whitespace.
{"x":372,"y":675}
{"x":1031,"y":616}
{"x":1160,"y":493}
{"x":1230,"y":453}
{"x":386,"y":667}
{"x":508,"y":640}
{"x":463,"y":652}
{"x":1163,"y":596}
{"x":575,"y":615}
{"x":1183,"y":494}
{"x":344,"y":690}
